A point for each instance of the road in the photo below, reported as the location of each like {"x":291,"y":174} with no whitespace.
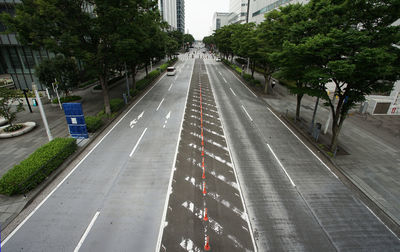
{"x":201,"y":140}
{"x":114,"y":199}
{"x":293,"y":200}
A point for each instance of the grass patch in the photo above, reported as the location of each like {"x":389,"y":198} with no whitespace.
{"x":33,"y":170}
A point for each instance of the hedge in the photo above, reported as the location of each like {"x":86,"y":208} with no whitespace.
{"x":93,"y":123}
{"x":67,"y":99}
{"x":116,"y":104}
{"x":33,"y":170}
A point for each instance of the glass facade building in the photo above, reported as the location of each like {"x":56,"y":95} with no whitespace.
{"x":180,"y":10}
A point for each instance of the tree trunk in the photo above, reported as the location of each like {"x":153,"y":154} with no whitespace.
{"x":145,"y":67}
{"x":104,"y":86}
{"x":335,"y":133}
{"x":267,"y":87}
{"x":253,"y":68}
{"x":298,"y":106}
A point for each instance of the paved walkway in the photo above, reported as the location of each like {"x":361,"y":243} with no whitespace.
{"x":370,"y":144}
{"x":14,"y":150}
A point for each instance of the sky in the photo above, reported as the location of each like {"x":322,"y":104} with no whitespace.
{"x":199,"y":13}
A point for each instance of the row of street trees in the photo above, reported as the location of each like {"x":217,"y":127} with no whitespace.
{"x":349,"y":43}
{"x":103,"y":34}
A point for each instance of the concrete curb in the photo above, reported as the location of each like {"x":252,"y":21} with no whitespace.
{"x":374,"y":205}
{"x":30,"y":196}
{"x":29,"y":126}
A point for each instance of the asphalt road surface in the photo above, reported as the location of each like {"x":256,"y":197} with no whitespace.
{"x":114,"y":199}
{"x":294,"y":202}
{"x":205,"y":209}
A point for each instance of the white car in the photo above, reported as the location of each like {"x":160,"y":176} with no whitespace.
{"x":218,"y":59}
{"x":171,"y":71}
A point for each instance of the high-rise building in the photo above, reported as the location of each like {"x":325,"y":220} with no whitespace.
{"x":168,"y":9}
{"x":258,"y":8}
{"x":220,"y":19}
{"x":180,"y":11}
{"x":238,"y":11}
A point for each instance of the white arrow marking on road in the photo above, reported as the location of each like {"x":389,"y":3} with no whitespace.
{"x":137,"y":144}
{"x":160,"y":104}
{"x":134,"y":121}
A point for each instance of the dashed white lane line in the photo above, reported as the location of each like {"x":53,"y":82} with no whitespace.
{"x":251,"y":119}
{"x":224,"y":79}
{"x":159,"y":105}
{"x":233,"y":92}
{"x":280,"y":164}
{"x":86,"y":232}
{"x":245,"y":86}
{"x":137,"y":144}
{"x":170,"y":87}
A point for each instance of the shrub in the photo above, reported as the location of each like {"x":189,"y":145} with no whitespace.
{"x":13,"y":128}
{"x":163,"y":67}
{"x":98,"y":87}
{"x":67,"y":99}
{"x":133,"y":92}
{"x":116,"y":104}
{"x":87,"y":83}
{"x":93,"y":123}
{"x":33,"y":170}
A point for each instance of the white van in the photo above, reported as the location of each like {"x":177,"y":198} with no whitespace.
{"x":171,"y":71}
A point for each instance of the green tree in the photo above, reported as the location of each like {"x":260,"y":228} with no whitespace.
{"x":60,"y":68}
{"x":188,"y":38}
{"x":244,"y":43}
{"x":8,"y":97}
{"x":354,"y":50}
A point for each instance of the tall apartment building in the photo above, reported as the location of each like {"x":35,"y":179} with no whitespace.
{"x":238,"y":11}
{"x":180,"y":11}
{"x":220,"y":19}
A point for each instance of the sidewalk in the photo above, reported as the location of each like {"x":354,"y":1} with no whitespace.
{"x":14,"y":150}
{"x":370,"y":155}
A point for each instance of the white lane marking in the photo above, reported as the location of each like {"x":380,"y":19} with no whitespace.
{"x":134,"y":121}
{"x":72,"y":171}
{"x":234,"y":172}
{"x":159,"y":105}
{"x":169,"y":191}
{"x":189,"y":246}
{"x":220,"y":73}
{"x":251,"y":119}
{"x":176,"y":77}
{"x":86,"y":232}
{"x":224,"y":79}
{"x":280,"y":164}
{"x":244,"y":85}
{"x":137,"y":143}
{"x":166,"y":119}
{"x":380,"y":220}
{"x":170,"y":87}
{"x":233,"y":92}
{"x":315,"y":155}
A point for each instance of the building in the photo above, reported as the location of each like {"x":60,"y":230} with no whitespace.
{"x":238,"y":11}
{"x":220,"y":19}
{"x":180,"y":11}
{"x":258,"y":8}
{"x":17,"y":62}
{"x":168,"y":10}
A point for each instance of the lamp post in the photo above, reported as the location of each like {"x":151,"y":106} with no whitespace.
{"x":34,"y":88}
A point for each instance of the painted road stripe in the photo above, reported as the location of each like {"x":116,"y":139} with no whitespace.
{"x":251,"y":119}
{"x":280,"y":164}
{"x":86,"y":232}
{"x":232,"y":91}
{"x":244,"y":85}
{"x":137,"y":144}
{"x":224,"y":79}
{"x":159,"y":105}
{"x":170,"y":87}
{"x":234,"y":168}
{"x":72,"y":171}
{"x":169,"y":191}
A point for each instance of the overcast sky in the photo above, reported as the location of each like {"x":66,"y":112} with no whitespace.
{"x":199,"y":13}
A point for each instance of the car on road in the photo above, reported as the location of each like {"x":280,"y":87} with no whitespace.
{"x":218,"y":59}
{"x":171,"y":71}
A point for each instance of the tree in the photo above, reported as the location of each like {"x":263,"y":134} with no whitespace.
{"x":188,"y":39}
{"x":223,"y":39}
{"x":60,"y":68}
{"x":7,"y":98}
{"x":354,"y":50}
{"x":244,"y":43}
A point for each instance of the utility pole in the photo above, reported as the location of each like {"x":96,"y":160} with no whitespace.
{"x":34,"y":87}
